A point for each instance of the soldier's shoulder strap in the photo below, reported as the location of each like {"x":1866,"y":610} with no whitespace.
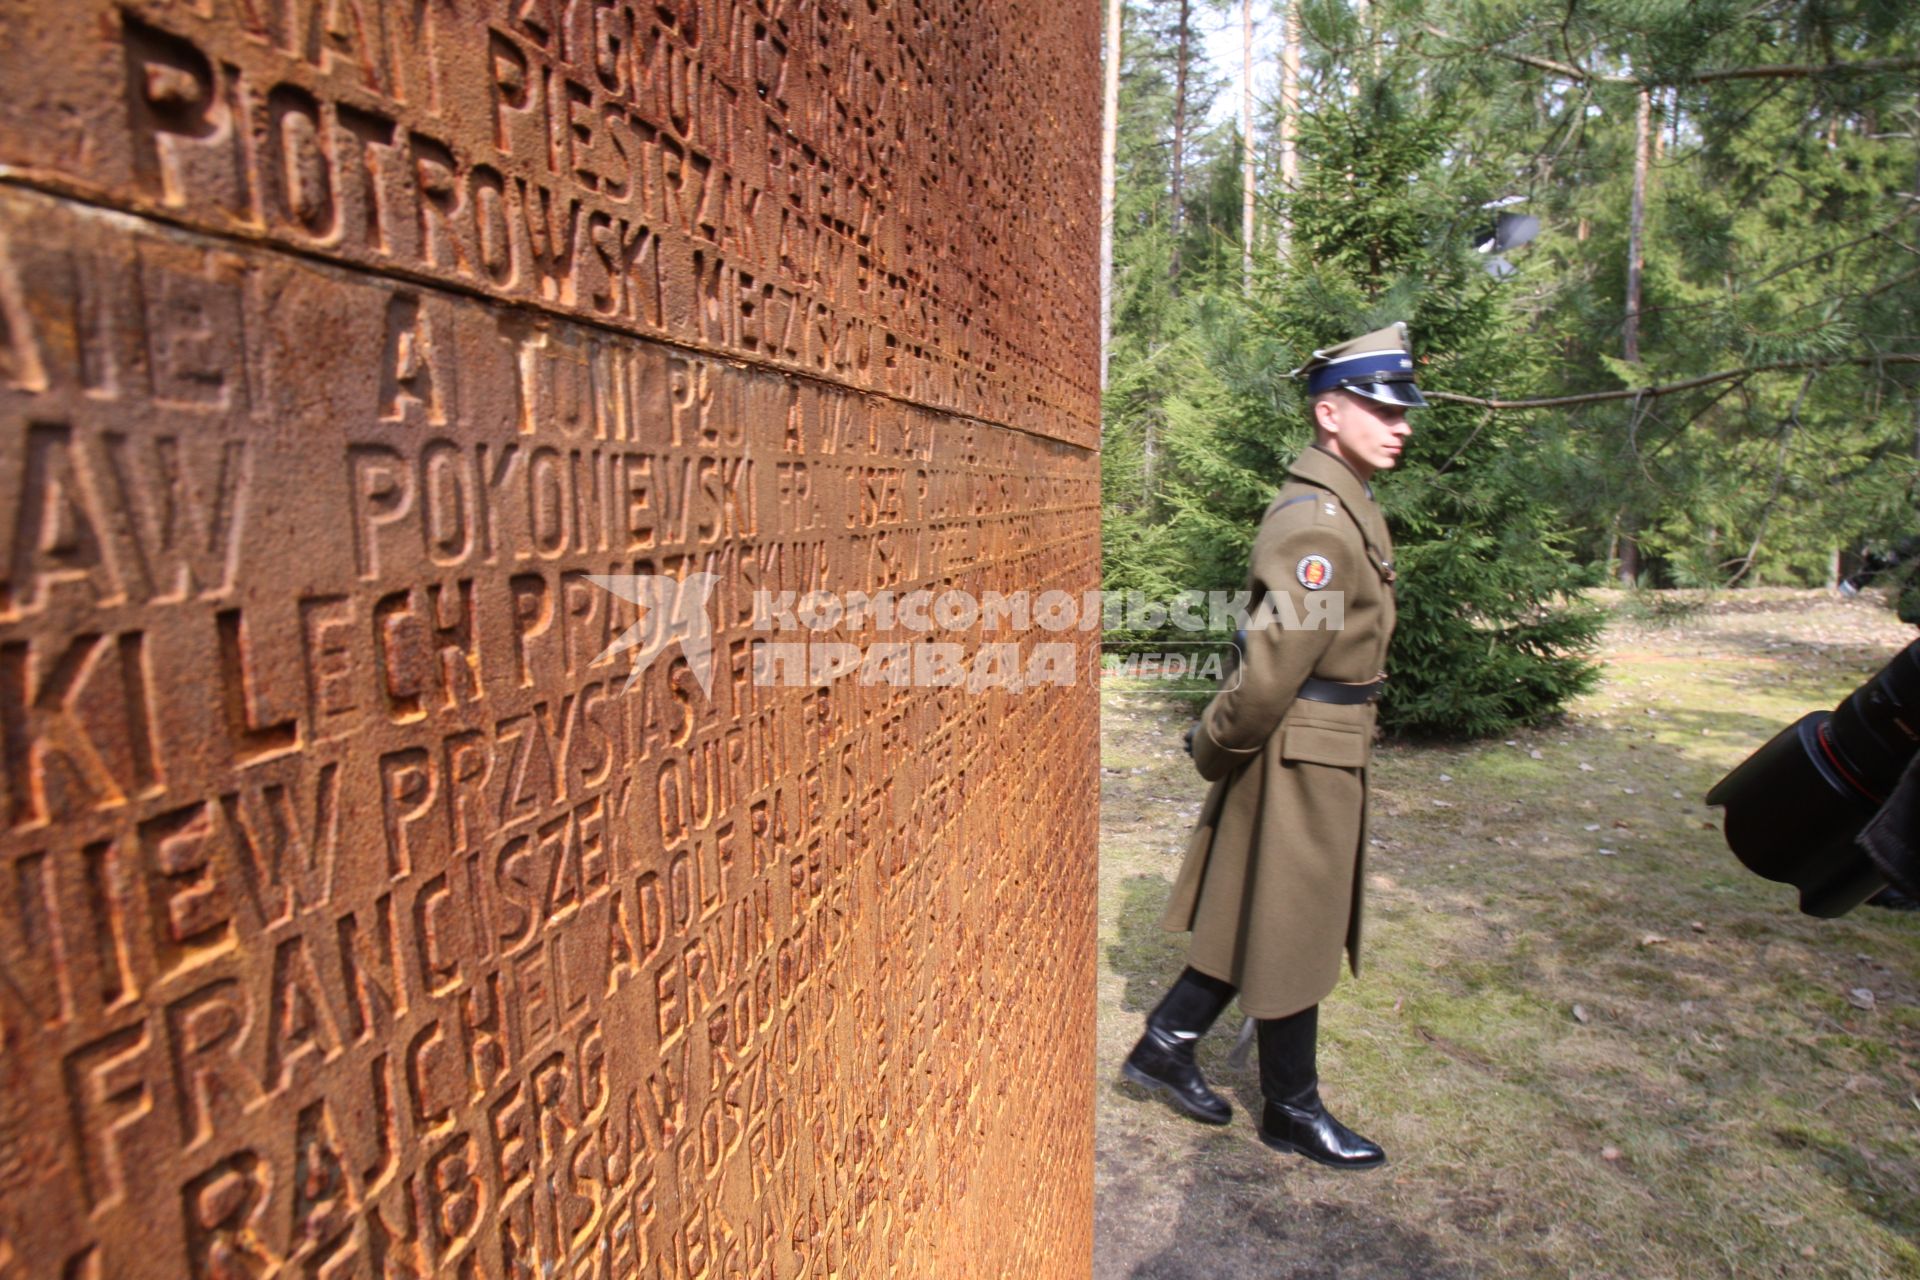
{"x":1300,"y":492}
{"x":1330,"y":509}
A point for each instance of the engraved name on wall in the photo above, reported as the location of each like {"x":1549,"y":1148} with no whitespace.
{"x":886,"y":197}
{"x":359,"y":916}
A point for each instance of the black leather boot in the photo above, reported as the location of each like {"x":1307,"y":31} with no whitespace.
{"x":1163,"y":1060}
{"x":1294,"y":1118}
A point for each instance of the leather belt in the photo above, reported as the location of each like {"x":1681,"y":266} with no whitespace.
{"x":1339,"y":691}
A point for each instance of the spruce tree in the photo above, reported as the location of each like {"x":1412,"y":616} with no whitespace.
{"x":1756,"y":415}
{"x":1383,"y":229}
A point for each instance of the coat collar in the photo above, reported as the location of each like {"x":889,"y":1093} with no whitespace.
{"x":1317,"y":466}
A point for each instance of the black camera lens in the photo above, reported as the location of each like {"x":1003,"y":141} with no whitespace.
{"x":1874,"y":733}
{"x":1795,"y":806}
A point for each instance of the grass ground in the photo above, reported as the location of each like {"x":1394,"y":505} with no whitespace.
{"x":1591,"y":1043}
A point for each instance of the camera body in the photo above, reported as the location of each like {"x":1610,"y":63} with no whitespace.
{"x":1797,"y":806}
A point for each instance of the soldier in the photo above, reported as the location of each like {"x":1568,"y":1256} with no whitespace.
{"x":1271,"y":884}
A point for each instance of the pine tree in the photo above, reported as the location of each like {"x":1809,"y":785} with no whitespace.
{"x":1382,"y":230}
{"x":1740,"y":408}
{"x":1155,"y":256}
{"x":1785,"y":158}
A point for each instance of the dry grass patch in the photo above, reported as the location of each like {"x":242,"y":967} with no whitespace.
{"x":1591,"y":1043}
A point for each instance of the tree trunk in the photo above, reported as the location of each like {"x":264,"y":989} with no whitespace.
{"x":1109,"y":134}
{"x":1636,"y":228}
{"x":1630,"y":331}
{"x":1246,"y":146}
{"x":1183,"y":42}
{"x":1149,"y":454}
{"x":1289,"y":108}
{"x":1629,"y":556}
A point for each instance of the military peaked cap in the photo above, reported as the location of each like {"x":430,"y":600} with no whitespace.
{"x":1377,"y":365}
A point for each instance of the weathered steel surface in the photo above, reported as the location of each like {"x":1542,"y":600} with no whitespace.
{"x":893,"y":195}
{"x":356,"y":917}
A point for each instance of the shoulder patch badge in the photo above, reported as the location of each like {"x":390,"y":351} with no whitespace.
{"x":1314,"y":572}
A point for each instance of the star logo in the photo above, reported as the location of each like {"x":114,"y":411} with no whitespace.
{"x":669,"y":610}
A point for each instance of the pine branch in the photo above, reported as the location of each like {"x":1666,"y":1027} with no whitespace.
{"x":1671,"y":388}
{"x":1912,"y":207}
{"x":1762,"y":71}
{"x":1566,"y":70}
{"x":1803,"y":71}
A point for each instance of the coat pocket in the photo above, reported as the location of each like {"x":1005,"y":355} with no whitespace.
{"x":1325,"y":744}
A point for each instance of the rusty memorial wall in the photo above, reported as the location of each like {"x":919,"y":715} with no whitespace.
{"x":359,"y":917}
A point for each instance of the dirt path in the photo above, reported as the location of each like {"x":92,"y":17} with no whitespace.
{"x":1591,"y":1043}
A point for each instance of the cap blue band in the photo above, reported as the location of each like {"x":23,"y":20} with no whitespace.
{"x":1374,"y":366}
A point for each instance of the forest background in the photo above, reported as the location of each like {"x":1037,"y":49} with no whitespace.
{"x":1661,"y":266}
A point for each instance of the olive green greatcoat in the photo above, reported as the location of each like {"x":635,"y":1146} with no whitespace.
{"x":1271,"y":884}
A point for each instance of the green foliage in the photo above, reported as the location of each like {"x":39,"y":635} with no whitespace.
{"x":1778,"y":228}
{"x":1781,"y":226}
{"x":1149,"y":340}
{"x":1487,"y":638}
